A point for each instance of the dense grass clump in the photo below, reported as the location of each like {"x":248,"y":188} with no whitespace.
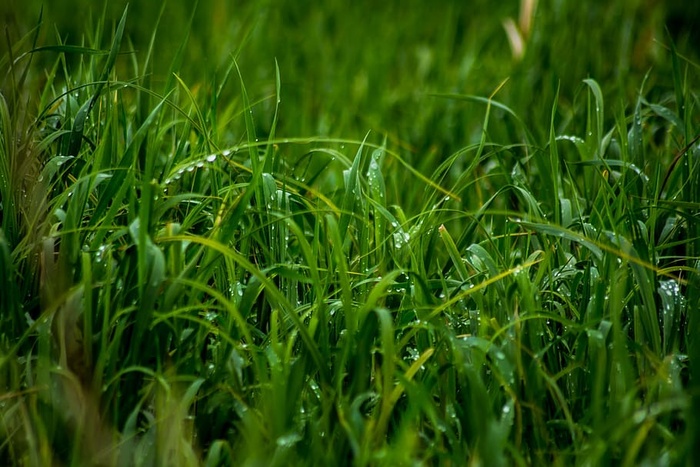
{"x":350,"y":235}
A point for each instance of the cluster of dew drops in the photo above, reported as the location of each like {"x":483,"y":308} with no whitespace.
{"x":197,"y":164}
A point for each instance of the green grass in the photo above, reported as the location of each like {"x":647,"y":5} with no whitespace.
{"x":349,"y":235}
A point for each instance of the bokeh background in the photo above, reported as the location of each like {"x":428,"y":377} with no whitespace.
{"x":350,"y":67}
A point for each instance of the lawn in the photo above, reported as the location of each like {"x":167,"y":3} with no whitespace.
{"x":350,"y":233}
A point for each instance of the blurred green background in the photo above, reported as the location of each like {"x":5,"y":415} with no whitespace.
{"x":351,"y":67}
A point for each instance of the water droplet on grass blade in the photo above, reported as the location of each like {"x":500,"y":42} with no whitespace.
{"x":288,"y":440}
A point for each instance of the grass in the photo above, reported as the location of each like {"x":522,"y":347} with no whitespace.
{"x":207,"y":259}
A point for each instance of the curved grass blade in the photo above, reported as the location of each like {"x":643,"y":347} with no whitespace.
{"x":561,"y":232}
